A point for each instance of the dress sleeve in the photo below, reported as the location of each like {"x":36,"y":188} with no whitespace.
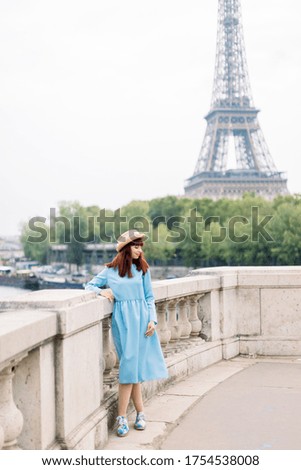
{"x":149,"y":296}
{"x":98,"y":281}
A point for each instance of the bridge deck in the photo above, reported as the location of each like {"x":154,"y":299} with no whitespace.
{"x":238,"y":404}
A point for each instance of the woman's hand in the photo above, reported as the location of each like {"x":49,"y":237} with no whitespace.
{"x":150,"y":329}
{"x":108,"y":294}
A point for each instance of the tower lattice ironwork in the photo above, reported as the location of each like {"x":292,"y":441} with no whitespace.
{"x":233,"y":131}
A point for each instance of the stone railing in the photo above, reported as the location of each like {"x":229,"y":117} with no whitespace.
{"x":59,"y":370}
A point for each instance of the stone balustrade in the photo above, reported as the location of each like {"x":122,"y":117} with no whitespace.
{"x":59,"y":369}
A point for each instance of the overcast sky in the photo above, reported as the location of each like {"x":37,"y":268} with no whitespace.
{"x":103,"y":101}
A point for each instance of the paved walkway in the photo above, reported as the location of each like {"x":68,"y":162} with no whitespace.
{"x":237,"y":404}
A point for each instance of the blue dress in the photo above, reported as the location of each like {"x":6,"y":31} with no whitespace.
{"x":140,"y":356}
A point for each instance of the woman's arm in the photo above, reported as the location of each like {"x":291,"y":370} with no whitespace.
{"x":98,"y":281}
{"x":149,"y":296}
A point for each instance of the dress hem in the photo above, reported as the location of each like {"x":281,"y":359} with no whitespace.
{"x":145,"y":380}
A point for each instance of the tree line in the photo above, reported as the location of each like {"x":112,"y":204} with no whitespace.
{"x":250,"y":231}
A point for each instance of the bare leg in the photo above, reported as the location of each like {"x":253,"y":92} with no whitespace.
{"x":125,"y":391}
{"x":137,"y":397}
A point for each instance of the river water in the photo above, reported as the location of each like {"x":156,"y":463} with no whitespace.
{"x":8,"y":292}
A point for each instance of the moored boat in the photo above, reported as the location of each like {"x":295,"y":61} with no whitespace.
{"x":56,"y":282}
{"x":24,"y":278}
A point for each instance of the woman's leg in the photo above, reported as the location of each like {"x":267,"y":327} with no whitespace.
{"x":125,"y":391}
{"x":137,"y":397}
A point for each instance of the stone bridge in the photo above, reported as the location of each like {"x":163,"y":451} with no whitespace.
{"x":58,"y":367}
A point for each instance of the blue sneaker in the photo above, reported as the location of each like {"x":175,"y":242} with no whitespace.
{"x":122,"y":426}
{"x":140,"y":423}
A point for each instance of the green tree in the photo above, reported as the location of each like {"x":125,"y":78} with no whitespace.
{"x":37,"y":249}
{"x":158,"y":248}
{"x":286,"y":230}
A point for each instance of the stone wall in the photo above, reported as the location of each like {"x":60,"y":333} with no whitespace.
{"x":266,"y":308}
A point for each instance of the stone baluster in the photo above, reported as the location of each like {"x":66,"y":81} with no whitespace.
{"x":173,"y":323}
{"x":163,"y":331}
{"x":11,"y":418}
{"x":196,"y":324}
{"x":109,"y":354}
{"x":184,"y":323}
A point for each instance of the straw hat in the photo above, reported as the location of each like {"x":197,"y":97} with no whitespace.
{"x":127,"y":237}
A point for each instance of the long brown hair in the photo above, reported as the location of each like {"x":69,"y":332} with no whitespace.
{"x":123,"y":260}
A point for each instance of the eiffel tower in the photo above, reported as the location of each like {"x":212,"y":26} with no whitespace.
{"x":233,"y":134}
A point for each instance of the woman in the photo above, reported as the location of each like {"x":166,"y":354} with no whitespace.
{"x":134,"y":322}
